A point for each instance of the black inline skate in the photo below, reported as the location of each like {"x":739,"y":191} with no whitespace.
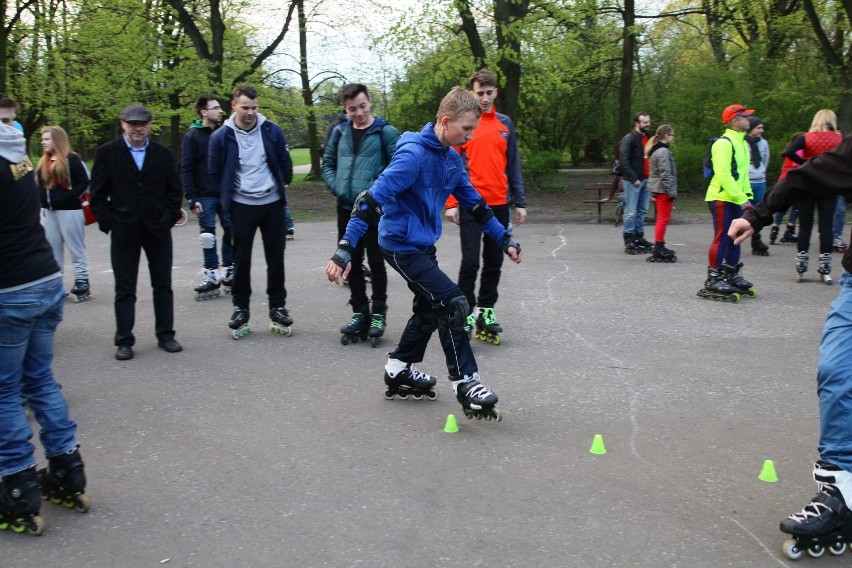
{"x":228,"y":279}
{"x":801,"y":265}
{"x":825,"y":268}
{"x":209,"y":287}
{"x":715,"y":288}
{"x":733,"y":278}
{"x":758,"y":247}
{"x":409,"y":381}
{"x":20,"y":502}
{"x":839,"y":245}
{"x":63,"y":481}
{"x":789,"y":235}
{"x":773,"y":234}
{"x":487,"y":328}
{"x":661,"y":253}
{"x":356,"y":329}
{"x":280,"y":321}
{"x":81,"y":290}
{"x":825,"y":522}
{"x":641,"y":245}
{"x":239,"y":323}
{"x":377,"y":324}
{"x":476,"y":399}
{"x":630,"y":244}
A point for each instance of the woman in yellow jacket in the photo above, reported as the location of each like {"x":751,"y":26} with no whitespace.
{"x":728,"y":195}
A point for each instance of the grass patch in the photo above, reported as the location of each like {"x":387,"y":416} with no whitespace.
{"x":300,"y":156}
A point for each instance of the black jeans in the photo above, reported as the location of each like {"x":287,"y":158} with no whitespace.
{"x":357,"y":285}
{"x":127,"y":241}
{"x":825,"y":207}
{"x":492,"y":258}
{"x":245,"y":221}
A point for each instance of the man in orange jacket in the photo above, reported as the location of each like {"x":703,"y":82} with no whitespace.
{"x":494,"y":167}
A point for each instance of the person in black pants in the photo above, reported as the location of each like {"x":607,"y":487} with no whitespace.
{"x":136,"y":198}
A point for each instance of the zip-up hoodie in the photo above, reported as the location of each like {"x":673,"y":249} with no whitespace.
{"x":412,"y":191}
{"x":723,"y":186}
{"x":194,"y":177}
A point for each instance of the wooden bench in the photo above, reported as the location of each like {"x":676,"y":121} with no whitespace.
{"x":601,"y":201}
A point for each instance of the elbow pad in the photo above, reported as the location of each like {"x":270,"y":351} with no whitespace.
{"x":367,"y":209}
{"x":481,"y":212}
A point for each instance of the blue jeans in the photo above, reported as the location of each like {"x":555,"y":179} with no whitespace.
{"x":834,"y":380}
{"x":839,"y":216}
{"x":28,"y":320}
{"x":636,"y":202}
{"x":212,"y":206}
{"x":758,"y":190}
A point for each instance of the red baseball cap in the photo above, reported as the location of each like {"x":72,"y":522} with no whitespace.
{"x":735,"y":110}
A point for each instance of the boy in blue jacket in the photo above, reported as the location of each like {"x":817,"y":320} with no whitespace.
{"x":406,"y":202}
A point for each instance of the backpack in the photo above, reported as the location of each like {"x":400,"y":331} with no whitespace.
{"x":708,"y":159}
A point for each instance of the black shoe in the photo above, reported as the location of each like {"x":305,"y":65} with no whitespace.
{"x":169,"y":345}
{"x":124,"y":353}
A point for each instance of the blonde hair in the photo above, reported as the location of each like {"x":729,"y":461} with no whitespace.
{"x":824,"y":119}
{"x":457,"y":102}
{"x":53,"y":168}
{"x":662,"y":130}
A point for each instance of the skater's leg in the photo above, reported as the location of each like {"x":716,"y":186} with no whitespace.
{"x":643,"y":201}
{"x":839,"y":217}
{"x":723,"y":249}
{"x":826,"y":207}
{"x":664,"y":215}
{"x":72,"y":225}
{"x":158,"y":251}
{"x":227,"y":237}
{"x":470,"y":235}
{"x":272,"y":232}
{"x":243,"y":228}
{"x":50,"y":223}
{"x":379,"y":282}
{"x":631,"y":202}
{"x":806,"y":223}
{"x":207,"y":231}
{"x":492,"y":263}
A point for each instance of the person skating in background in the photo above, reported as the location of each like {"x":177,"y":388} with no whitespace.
{"x":62,"y":180}
{"x":662,"y":183}
{"x":789,"y":235}
{"x":758,"y":164}
{"x":634,"y":181}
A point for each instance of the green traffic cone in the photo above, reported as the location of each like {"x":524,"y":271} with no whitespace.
{"x":451,"y":425}
{"x":768,"y":474}
{"x":598,"y":445}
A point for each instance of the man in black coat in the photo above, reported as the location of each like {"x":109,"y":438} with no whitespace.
{"x":136,"y":198}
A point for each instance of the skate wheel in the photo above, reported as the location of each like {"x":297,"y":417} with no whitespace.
{"x":497,"y":414}
{"x":752,"y":293}
{"x":837,"y":548}
{"x":402,"y":396}
{"x":791,"y":549}
{"x":815,"y":551}
{"x":389,"y":395}
{"x":344,"y":340}
{"x":432,"y":395}
{"x":83,"y":503}
{"x":355,"y":339}
{"x":375,"y":342}
{"x":417,"y":396}
{"x":496,"y":340}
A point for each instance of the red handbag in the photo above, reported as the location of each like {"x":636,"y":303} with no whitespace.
{"x":87,"y":210}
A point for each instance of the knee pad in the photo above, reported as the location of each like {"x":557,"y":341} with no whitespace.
{"x":207,"y":238}
{"x":455,"y":312}
{"x":426,"y":325}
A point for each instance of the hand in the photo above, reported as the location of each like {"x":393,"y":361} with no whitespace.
{"x":637,"y":183}
{"x":196,"y":207}
{"x":514,"y":255}
{"x":334,"y":273}
{"x":740,"y":230}
{"x":520,"y":215}
{"x":452,"y":214}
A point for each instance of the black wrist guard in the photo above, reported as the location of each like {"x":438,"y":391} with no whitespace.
{"x":508,"y":241}
{"x":343,"y":254}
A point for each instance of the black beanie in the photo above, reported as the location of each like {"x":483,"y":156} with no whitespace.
{"x":754,"y":122}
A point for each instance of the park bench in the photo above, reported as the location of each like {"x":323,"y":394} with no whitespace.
{"x":601,"y":201}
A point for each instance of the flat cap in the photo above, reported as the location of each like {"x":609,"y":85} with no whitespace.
{"x":135,"y":113}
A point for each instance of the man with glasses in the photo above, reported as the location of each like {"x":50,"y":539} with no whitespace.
{"x":203,"y":197}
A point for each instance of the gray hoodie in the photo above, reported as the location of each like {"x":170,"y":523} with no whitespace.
{"x":12,"y":144}
{"x":255,"y":184}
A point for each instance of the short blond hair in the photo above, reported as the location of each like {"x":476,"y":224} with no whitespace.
{"x":824,"y":119}
{"x":456,"y":103}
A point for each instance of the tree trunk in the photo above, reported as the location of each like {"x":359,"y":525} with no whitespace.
{"x":307,"y":94}
{"x":628,"y":50}
{"x":508,"y":16}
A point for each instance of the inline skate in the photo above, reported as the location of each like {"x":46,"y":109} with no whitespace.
{"x":239,"y":323}
{"x":20,"y":502}
{"x":81,"y":290}
{"x":825,"y":268}
{"x":715,"y":288}
{"x":487,"y":328}
{"x":356,"y":329}
{"x":758,"y":247}
{"x":377,"y":324}
{"x":839,"y":245}
{"x":630,"y":244}
{"x":290,"y":235}
{"x":407,"y":381}
{"x":280,"y":321}
{"x":641,"y":245}
{"x":773,"y":234}
{"x":209,"y":287}
{"x":228,"y":279}
{"x":825,"y":522}
{"x":476,"y":399}
{"x":733,"y":278}
{"x":801,"y":265}
{"x":789,"y":235}
{"x":63,"y":481}
{"x":661,"y":253}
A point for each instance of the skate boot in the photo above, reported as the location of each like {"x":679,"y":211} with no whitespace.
{"x":789,"y":235}
{"x":801,"y":265}
{"x":209,"y":287}
{"x":839,"y":245}
{"x":629,"y":244}
{"x":641,"y":245}
{"x":734,"y":279}
{"x":469,"y":324}
{"x":715,"y":288}
{"x":773,"y":234}
{"x":661,"y":253}
{"x":758,"y":248}
{"x":291,"y":235}
{"x":825,"y":522}
{"x":20,"y":501}
{"x":228,"y":279}
{"x":404,"y":379}
{"x":487,"y":328}
{"x":377,"y":324}
{"x":477,"y":400}
{"x":825,"y":268}
{"x":81,"y":291}
{"x":63,"y":481}
{"x":280,"y":321}
{"x":356,"y":329}
{"x":239,"y":323}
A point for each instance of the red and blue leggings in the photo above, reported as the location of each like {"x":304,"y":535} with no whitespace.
{"x":723,"y":249}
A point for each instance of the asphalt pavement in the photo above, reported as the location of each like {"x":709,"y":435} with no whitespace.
{"x":282,"y":451}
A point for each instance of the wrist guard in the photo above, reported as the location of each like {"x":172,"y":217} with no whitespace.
{"x":343,"y":254}
{"x":508,"y":241}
